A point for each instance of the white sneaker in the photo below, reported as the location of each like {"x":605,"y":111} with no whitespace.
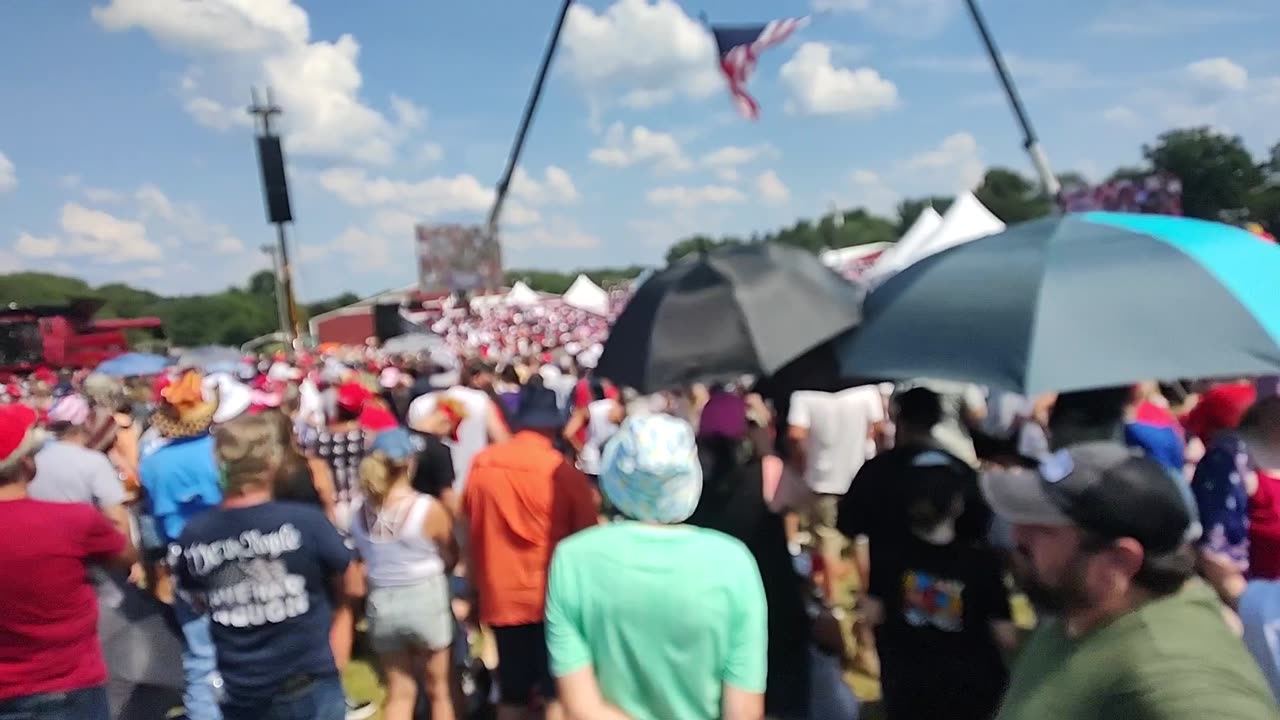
{"x":360,"y":710}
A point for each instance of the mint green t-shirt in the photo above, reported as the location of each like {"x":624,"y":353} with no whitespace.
{"x":665,"y":615}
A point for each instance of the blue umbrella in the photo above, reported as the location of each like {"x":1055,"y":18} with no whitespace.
{"x":1076,"y":302}
{"x":133,"y":365}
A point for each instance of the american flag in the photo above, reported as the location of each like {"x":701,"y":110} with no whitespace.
{"x":740,"y":46}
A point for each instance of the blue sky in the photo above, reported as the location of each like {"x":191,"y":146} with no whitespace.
{"x":125,"y":154}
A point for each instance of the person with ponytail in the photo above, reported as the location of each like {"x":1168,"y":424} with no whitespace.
{"x":407,"y":542}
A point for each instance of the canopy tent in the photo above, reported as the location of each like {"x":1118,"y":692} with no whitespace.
{"x":895,"y":258}
{"x":855,"y":260}
{"x":967,"y":219}
{"x":521,"y":295}
{"x":586,"y":295}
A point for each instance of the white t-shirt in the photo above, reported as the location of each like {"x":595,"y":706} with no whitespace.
{"x":839,"y":429}
{"x":473,"y":431}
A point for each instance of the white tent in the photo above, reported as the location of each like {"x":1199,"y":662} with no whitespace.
{"x":967,"y":219}
{"x":586,"y":295}
{"x":840,"y":256}
{"x":896,"y":257}
{"x":521,"y":295}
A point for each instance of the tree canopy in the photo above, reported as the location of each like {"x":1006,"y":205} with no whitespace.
{"x":1221,"y":180}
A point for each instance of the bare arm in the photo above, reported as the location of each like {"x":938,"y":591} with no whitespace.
{"x":577,"y":421}
{"x":580,"y":695}
{"x":498,"y":431}
{"x":438,"y":528}
{"x":119,"y":517}
{"x":742,"y":705}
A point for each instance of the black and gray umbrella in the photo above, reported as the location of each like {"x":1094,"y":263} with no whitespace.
{"x":143,"y":650}
{"x":1078,"y":302}
{"x":725,"y":313}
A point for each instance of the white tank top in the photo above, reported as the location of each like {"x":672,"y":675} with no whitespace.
{"x":391,"y":543}
{"x":600,"y":427}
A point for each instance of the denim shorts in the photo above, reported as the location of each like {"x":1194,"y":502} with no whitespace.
{"x":84,"y":704}
{"x":411,"y":616}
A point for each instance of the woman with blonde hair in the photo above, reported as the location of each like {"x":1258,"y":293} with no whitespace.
{"x":406,"y":540}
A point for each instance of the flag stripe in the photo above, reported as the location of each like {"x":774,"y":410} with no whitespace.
{"x":738,"y":62}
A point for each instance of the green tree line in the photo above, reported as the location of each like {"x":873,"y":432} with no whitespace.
{"x":1221,"y":180}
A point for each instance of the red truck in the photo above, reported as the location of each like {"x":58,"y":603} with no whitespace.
{"x":63,"y":336}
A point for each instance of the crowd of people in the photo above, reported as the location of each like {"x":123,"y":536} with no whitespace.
{"x":502,"y":331}
{"x":528,"y":536}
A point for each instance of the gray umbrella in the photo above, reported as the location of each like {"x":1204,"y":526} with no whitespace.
{"x":212,"y":358}
{"x":143,"y":650}
{"x":746,"y":310}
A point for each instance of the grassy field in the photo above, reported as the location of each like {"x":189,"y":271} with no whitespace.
{"x":362,"y":683}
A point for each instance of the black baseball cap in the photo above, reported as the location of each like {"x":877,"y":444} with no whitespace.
{"x":1102,"y":487}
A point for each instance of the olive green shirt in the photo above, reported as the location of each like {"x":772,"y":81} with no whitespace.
{"x":1171,"y":659}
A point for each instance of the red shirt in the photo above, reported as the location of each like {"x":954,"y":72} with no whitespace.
{"x":48,"y":609}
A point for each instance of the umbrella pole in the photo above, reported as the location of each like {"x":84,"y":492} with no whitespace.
{"x":1030,"y":142}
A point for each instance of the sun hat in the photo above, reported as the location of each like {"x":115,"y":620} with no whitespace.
{"x":1102,"y":487}
{"x":186,"y":408}
{"x":19,"y":436}
{"x":234,"y":397}
{"x":650,"y":471}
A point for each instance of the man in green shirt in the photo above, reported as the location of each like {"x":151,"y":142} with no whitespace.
{"x":1102,"y":541}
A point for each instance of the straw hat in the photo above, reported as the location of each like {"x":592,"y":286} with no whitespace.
{"x":186,"y":410}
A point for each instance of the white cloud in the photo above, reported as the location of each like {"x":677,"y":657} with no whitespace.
{"x":952,"y":166}
{"x":556,"y":187}
{"x":238,"y":43}
{"x":819,"y":88}
{"x":690,"y":197}
{"x":1155,"y":19}
{"x":731,"y":156}
{"x":144,"y":223}
{"x":557,"y":232}
{"x":430,"y":153}
{"x":429,"y":197}
{"x":103,"y":196}
{"x":1030,"y":73}
{"x":914,"y":18}
{"x":365,"y":250}
{"x":409,"y":115}
{"x":402,"y":203}
{"x":870,"y":191}
{"x":648,"y":53}
{"x":8,"y":175}
{"x":771,"y":189}
{"x":104,"y":236}
{"x":394,"y":222}
{"x":1218,"y":74}
{"x":228,"y":245}
{"x":641,"y":146}
{"x":31,"y":246}
{"x":1120,"y":115}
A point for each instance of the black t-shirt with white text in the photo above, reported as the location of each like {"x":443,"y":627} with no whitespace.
{"x":263,"y":574}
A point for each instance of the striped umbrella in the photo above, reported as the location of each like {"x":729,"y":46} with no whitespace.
{"x":1076,"y":302}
